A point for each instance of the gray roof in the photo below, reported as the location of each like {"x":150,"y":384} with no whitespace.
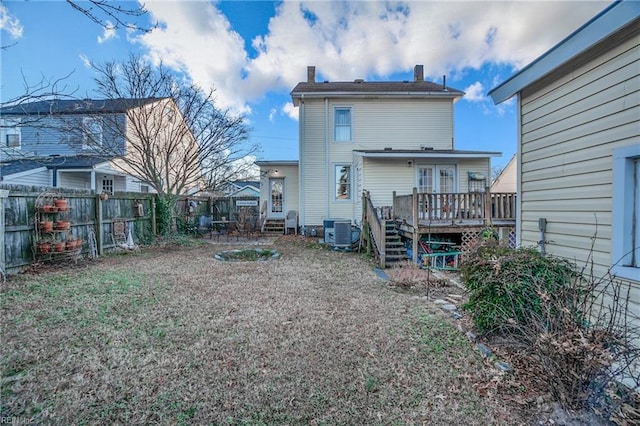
{"x":618,"y":15}
{"x":365,"y":88}
{"x":77,"y":162}
{"x":75,"y":106}
{"x":426,"y":153}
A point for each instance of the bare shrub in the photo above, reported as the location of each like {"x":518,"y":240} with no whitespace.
{"x":408,"y":275}
{"x":577,"y":326}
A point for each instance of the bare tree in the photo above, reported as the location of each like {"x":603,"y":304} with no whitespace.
{"x":112,"y":15}
{"x":175,"y":137}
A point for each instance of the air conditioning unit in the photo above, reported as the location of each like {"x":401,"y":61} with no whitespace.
{"x":342,"y":233}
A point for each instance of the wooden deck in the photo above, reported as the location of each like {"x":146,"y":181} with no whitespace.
{"x":420,"y":214}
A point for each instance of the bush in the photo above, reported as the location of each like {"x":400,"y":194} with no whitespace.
{"x":507,"y":285}
{"x":578,"y":327}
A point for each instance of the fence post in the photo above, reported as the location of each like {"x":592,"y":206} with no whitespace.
{"x":4,"y":194}
{"x":154,"y":228}
{"x":487,"y":206}
{"x":98,"y":225}
{"x":414,"y":222}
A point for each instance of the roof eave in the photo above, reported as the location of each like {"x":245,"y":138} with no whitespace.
{"x":608,"y":22}
{"x":297,"y":96}
{"x":427,"y":154}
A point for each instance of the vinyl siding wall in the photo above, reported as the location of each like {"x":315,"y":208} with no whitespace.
{"x":376,"y":124}
{"x":570,"y":124}
{"x":36,"y":178}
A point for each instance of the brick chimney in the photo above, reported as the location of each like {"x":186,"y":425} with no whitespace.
{"x":311,"y":74}
{"x":418,"y":73}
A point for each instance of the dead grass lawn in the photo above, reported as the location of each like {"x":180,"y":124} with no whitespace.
{"x":171,"y":336}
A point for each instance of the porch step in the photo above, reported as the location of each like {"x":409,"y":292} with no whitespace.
{"x":395,"y":252}
{"x":274,"y":226}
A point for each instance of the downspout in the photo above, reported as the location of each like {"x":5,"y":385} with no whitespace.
{"x":301,"y":164}
{"x":326,"y":155}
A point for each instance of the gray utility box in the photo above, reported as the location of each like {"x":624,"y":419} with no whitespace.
{"x":330,"y":230}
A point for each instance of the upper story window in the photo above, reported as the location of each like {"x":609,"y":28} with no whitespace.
{"x":342,"y":124}
{"x":10,"y":132}
{"x":343,"y":181}
{"x":625,"y":238}
{"x":91,"y":132}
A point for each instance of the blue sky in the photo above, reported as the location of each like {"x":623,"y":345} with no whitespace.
{"x":254,"y":52}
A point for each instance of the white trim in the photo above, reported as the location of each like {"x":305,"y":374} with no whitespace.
{"x":622,"y":211}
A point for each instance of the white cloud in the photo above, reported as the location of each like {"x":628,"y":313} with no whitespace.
{"x":291,"y":111}
{"x":347,"y":40}
{"x":272,"y":114}
{"x":10,"y":23}
{"x":109,"y":32}
{"x":475,"y":92}
{"x":194,"y":37}
{"x":86,"y":62}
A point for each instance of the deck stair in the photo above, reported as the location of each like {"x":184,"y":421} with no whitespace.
{"x":394,"y":249}
{"x":274,"y":226}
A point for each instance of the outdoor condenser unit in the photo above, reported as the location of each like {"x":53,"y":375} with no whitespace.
{"x":342,"y":233}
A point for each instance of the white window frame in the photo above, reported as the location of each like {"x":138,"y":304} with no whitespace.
{"x":11,"y":127}
{"x":108,"y":183}
{"x":349,"y":184}
{"x":335,"y":124}
{"x":625,"y":223}
{"x":92,"y":133}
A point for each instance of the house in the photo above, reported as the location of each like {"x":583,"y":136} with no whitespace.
{"x":378,"y":136}
{"x":506,"y":180}
{"x":74,"y":143}
{"x":241,"y":188}
{"x":579,"y":146}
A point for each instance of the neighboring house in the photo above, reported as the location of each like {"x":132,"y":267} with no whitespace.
{"x":71,"y":143}
{"x":579,"y":146}
{"x":506,"y":181}
{"x":242,"y":188}
{"x":376,"y":136}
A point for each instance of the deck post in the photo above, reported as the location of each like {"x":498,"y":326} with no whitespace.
{"x":414,"y":222}
{"x":487,"y":207}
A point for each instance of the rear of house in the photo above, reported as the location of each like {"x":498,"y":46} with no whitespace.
{"x":579,"y":146}
{"x":378,"y":137}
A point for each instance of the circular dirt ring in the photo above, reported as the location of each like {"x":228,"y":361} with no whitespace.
{"x":247,"y":255}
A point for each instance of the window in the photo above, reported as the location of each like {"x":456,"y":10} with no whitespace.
{"x":625,"y":238}
{"x":425,"y":180}
{"x":343,"y":181}
{"x":107,"y":185}
{"x":342,"y":125}
{"x":477,"y":182}
{"x":10,"y":133}
{"x":92,"y":133}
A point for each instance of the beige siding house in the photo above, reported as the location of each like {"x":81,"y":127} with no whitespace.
{"x":579,"y":145}
{"x":507,"y":179}
{"x":376,"y":136}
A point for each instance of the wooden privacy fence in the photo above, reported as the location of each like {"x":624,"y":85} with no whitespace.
{"x":87,"y":212}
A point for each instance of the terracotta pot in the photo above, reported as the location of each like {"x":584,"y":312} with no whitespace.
{"x":62,"y":225}
{"x":60,"y":246}
{"x":61,"y":203}
{"x":44,"y":247}
{"x":72,"y":244}
{"x":47,"y":209}
{"x":46,"y":226}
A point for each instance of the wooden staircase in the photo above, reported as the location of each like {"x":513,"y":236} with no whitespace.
{"x":273,"y":226}
{"x":394,"y":249}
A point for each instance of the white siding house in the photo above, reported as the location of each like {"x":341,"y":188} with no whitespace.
{"x":376,"y":136}
{"x":579,"y":145}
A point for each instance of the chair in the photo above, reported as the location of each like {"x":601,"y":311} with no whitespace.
{"x":291,"y":221}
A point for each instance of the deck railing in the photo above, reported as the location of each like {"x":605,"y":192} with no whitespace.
{"x":455,"y":208}
{"x":376,"y":227}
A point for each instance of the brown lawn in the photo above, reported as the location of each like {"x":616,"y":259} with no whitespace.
{"x":172,"y":336}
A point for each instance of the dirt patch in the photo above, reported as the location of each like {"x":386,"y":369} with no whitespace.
{"x":171,"y":336}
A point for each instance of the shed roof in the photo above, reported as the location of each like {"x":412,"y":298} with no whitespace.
{"x":618,"y":15}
